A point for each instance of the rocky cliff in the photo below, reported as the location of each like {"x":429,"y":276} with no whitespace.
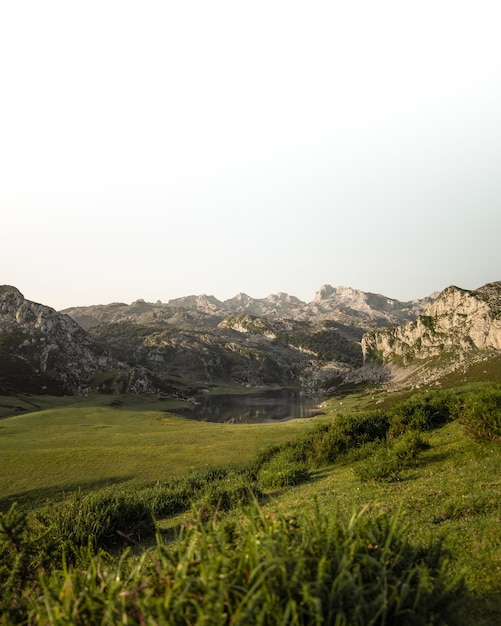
{"x":46,"y":352}
{"x":42,"y":350}
{"x":459,"y":326}
{"x":364,"y":309}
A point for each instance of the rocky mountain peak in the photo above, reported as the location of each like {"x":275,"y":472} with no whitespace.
{"x":491,"y":293}
{"x":325,"y":291}
{"x":282,"y":298}
{"x":200,"y":302}
{"x":6,"y":289}
{"x":10,"y":298}
{"x":240,"y":297}
{"x":16,"y":311}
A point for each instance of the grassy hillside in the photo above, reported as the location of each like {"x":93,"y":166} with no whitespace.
{"x":408,"y":485}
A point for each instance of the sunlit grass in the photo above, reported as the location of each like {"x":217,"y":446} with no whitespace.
{"x":126,"y":457}
{"x":453,"y":492}
{"x":85,"y":445}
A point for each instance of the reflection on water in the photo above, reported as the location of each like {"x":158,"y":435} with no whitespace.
{"x":252,"y":408}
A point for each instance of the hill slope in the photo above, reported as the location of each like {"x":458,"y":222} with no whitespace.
{"x":458,"y":328}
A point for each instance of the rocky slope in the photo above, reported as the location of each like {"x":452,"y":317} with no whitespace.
{"x":459,"y":327}
{"x":46,"y":352}
{"x":365,"y":310}
{"x":42,"y":350}
{"x":189,"y":343}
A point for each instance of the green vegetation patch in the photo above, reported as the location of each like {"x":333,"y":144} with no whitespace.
{"x":251,"y":568}
{"x":423,"y":546}
{"x":87,"y":445}
{"x":480,"y":414}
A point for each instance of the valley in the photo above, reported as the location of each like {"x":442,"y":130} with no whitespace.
{"x":104,"y":472}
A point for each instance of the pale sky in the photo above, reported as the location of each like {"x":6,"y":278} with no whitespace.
{"x":157,"y":149}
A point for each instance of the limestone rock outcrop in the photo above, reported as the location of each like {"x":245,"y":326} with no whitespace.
{"x":369,"y":310}
{"x":43,"y":350}
{"x":458,"y":324}
{"x":346,"y":305}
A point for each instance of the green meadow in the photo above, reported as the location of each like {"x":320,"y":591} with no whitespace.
{"x":383,"y":509}
{"x":82,"y":445}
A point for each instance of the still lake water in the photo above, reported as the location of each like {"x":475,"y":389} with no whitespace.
{"x":252,"y":408}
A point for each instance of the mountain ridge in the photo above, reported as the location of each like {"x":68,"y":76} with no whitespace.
{"x":327,"y":303}
{"x":343,"y":335}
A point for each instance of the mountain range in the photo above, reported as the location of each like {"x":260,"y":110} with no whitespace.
{"x":343,"y":336}
{"x":342,"y":304}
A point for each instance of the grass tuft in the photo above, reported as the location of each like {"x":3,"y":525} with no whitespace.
{"x":264,"y":569}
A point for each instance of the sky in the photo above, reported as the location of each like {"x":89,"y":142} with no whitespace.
{"x":158,"y":149}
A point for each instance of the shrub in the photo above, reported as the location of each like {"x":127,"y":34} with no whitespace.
{"x":386,"y":461}
{"x":261,"y":458}
{"x":228,"y":493}
{"x":23,"y":553}
{"x":282,"y":470}
{"x":382,"y":465}
{"x":480,"y":414}
{"x":326,"y":443}
{"x":98,"y":520}
{"x":364,"y":427}
{"x":200,"y":477}
{"x":166,"y":499}
{"x":105,"y":518}
{"x":409,"y":446}
{"x":422,"y":411}
{"x":362,"y":452}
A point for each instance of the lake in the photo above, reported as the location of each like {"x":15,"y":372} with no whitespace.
{"x":270,"y":406}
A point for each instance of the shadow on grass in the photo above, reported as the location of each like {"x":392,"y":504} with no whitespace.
{"x":38,"y":497}
{"x":483,"y":610}
{"x":414,"y":467}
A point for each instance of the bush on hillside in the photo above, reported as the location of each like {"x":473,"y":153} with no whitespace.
{"x":386,"y":461}
{"x":261,"y":458}
{"x":328,"y":442}
{"x":110,"y":517}
{"x":380,"y":466}
{"x":422,"y":411}
{"x":282,"y":470}
{"x":480,"y":414}
{"x":98,"y":520}
{"x":359,"y":436}
{"x":226,"y":494}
